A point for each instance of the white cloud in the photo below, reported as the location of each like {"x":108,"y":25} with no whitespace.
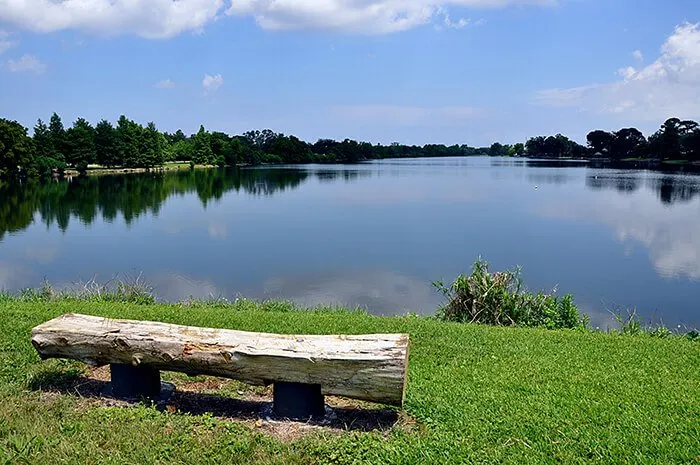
{"x":670,"y":86}
{"x":667,"y":233}
{"x":5,"y":45}
{"x":212,"y":83}
{"x":459,"y":24}
{"x":383,"y":292}
{"x":147,"y":18}
{"x":43,"y":254}
{"x":167,"y":18}
{"x":27,"y":63}
{"x":407,"y":115}
{"x":357,"y":16}
{"x":165,"y":84}
{"x":5,"y":42}
{"x":638,"y":55}
{"x":627,"y":73}
{"x":217,"y":229}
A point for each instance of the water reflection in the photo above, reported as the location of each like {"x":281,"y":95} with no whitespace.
{"x":129,"y":196}
{"x":373,"y":234}
{"x":621,"y":182}
{"x":672,"y":189}
{"x":537,"y":163}
{"x":669,"y":188}
{"x":663,"y":218}
{"x":394,"y":293}
{"x":332,"y":175}
{"x":548,"y":178}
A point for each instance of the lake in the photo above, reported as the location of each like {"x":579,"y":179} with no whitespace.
{"x":374,"y":235}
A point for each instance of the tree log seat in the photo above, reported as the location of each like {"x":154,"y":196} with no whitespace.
{"x":302,"y":368}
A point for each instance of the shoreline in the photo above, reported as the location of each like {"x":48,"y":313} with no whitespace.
{"x":598,"y":163}
{"x":627,"y":325}
{"x":158,"y":169}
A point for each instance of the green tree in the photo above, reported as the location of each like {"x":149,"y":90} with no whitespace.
{"x":151,"y":147}
{"x":534,"y":146}
{"x":129,"y":135}
{"x":179,"y":136}
{"x":292,"y":150}
{"x":44,"y":161}
{"x":600,"y":141}
{"x":182,"y":150}
{"x":202,"y":153}
{"x":557,"y":146}
{"x":166,"y":146}
{"x":692,"y":145}
{"x":220,"y":147}
{"x":81,"y":144}
{"x":16,"y":150}
{"x":666,"y":142}
{"x":261,"y":140}
{"x":628,"y":143}
{"x":498,"y":150}
{"x":689,"y":133}
{"x":235,"y":153}
{"x":106,"y":144}
{"x":57,"y":137}
{"x":516,"y":150}
{"x":42,"y":140}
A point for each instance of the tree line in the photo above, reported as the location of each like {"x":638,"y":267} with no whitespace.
{"x":675,"y":140}
{"x":52,"y":148}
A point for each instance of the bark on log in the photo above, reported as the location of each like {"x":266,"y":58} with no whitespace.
{"x":368,"y":367}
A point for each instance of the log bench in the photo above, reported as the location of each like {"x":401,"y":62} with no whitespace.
{"x":302,"y":369}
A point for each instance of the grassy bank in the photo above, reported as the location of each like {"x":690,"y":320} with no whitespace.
{"x":476,"y":394}
{"x":95,"y":170}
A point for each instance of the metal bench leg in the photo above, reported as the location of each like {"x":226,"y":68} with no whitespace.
{"x":298,"y":401}
{"x":135,"y":382}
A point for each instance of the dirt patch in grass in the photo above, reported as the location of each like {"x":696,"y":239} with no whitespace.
{"x":228,"y":400}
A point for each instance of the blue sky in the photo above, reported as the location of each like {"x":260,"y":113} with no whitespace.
{"x":413,"y":71}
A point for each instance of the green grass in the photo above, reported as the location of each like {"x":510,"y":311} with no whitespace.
{"x":676,"y":162}
{"x":167,"y":166}
{"x":479,"y":395}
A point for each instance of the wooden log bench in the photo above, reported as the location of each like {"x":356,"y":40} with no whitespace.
{"x":302,"y":368}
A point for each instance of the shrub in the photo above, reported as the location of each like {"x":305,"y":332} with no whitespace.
{"x":46,"y":166}
{"x":500,"y":299}
{"x":631,"y":325}
{"x":126,"y":289}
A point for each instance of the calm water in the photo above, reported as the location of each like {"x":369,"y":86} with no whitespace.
{"x":374,"y":235}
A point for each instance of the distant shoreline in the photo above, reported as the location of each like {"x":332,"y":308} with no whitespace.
{"x":96,"y":170}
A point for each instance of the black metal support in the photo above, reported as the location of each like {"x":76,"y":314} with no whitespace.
{"x":298,"y":401}
{"x":135,"y":382}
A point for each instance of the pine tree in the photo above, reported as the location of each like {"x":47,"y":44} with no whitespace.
{"x":106,"y":144}
{"x":203,"y":155}
{"x":57,"y":138}
{"x":81,"y":141}
{"x":152,"y":149}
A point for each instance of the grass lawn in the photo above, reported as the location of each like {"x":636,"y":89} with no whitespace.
{"x":676,"y":162}
{"x":167,"y":166}
{"x":476,"y":394}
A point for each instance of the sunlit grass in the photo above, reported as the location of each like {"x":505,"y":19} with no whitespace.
{"x":480,"y":394}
